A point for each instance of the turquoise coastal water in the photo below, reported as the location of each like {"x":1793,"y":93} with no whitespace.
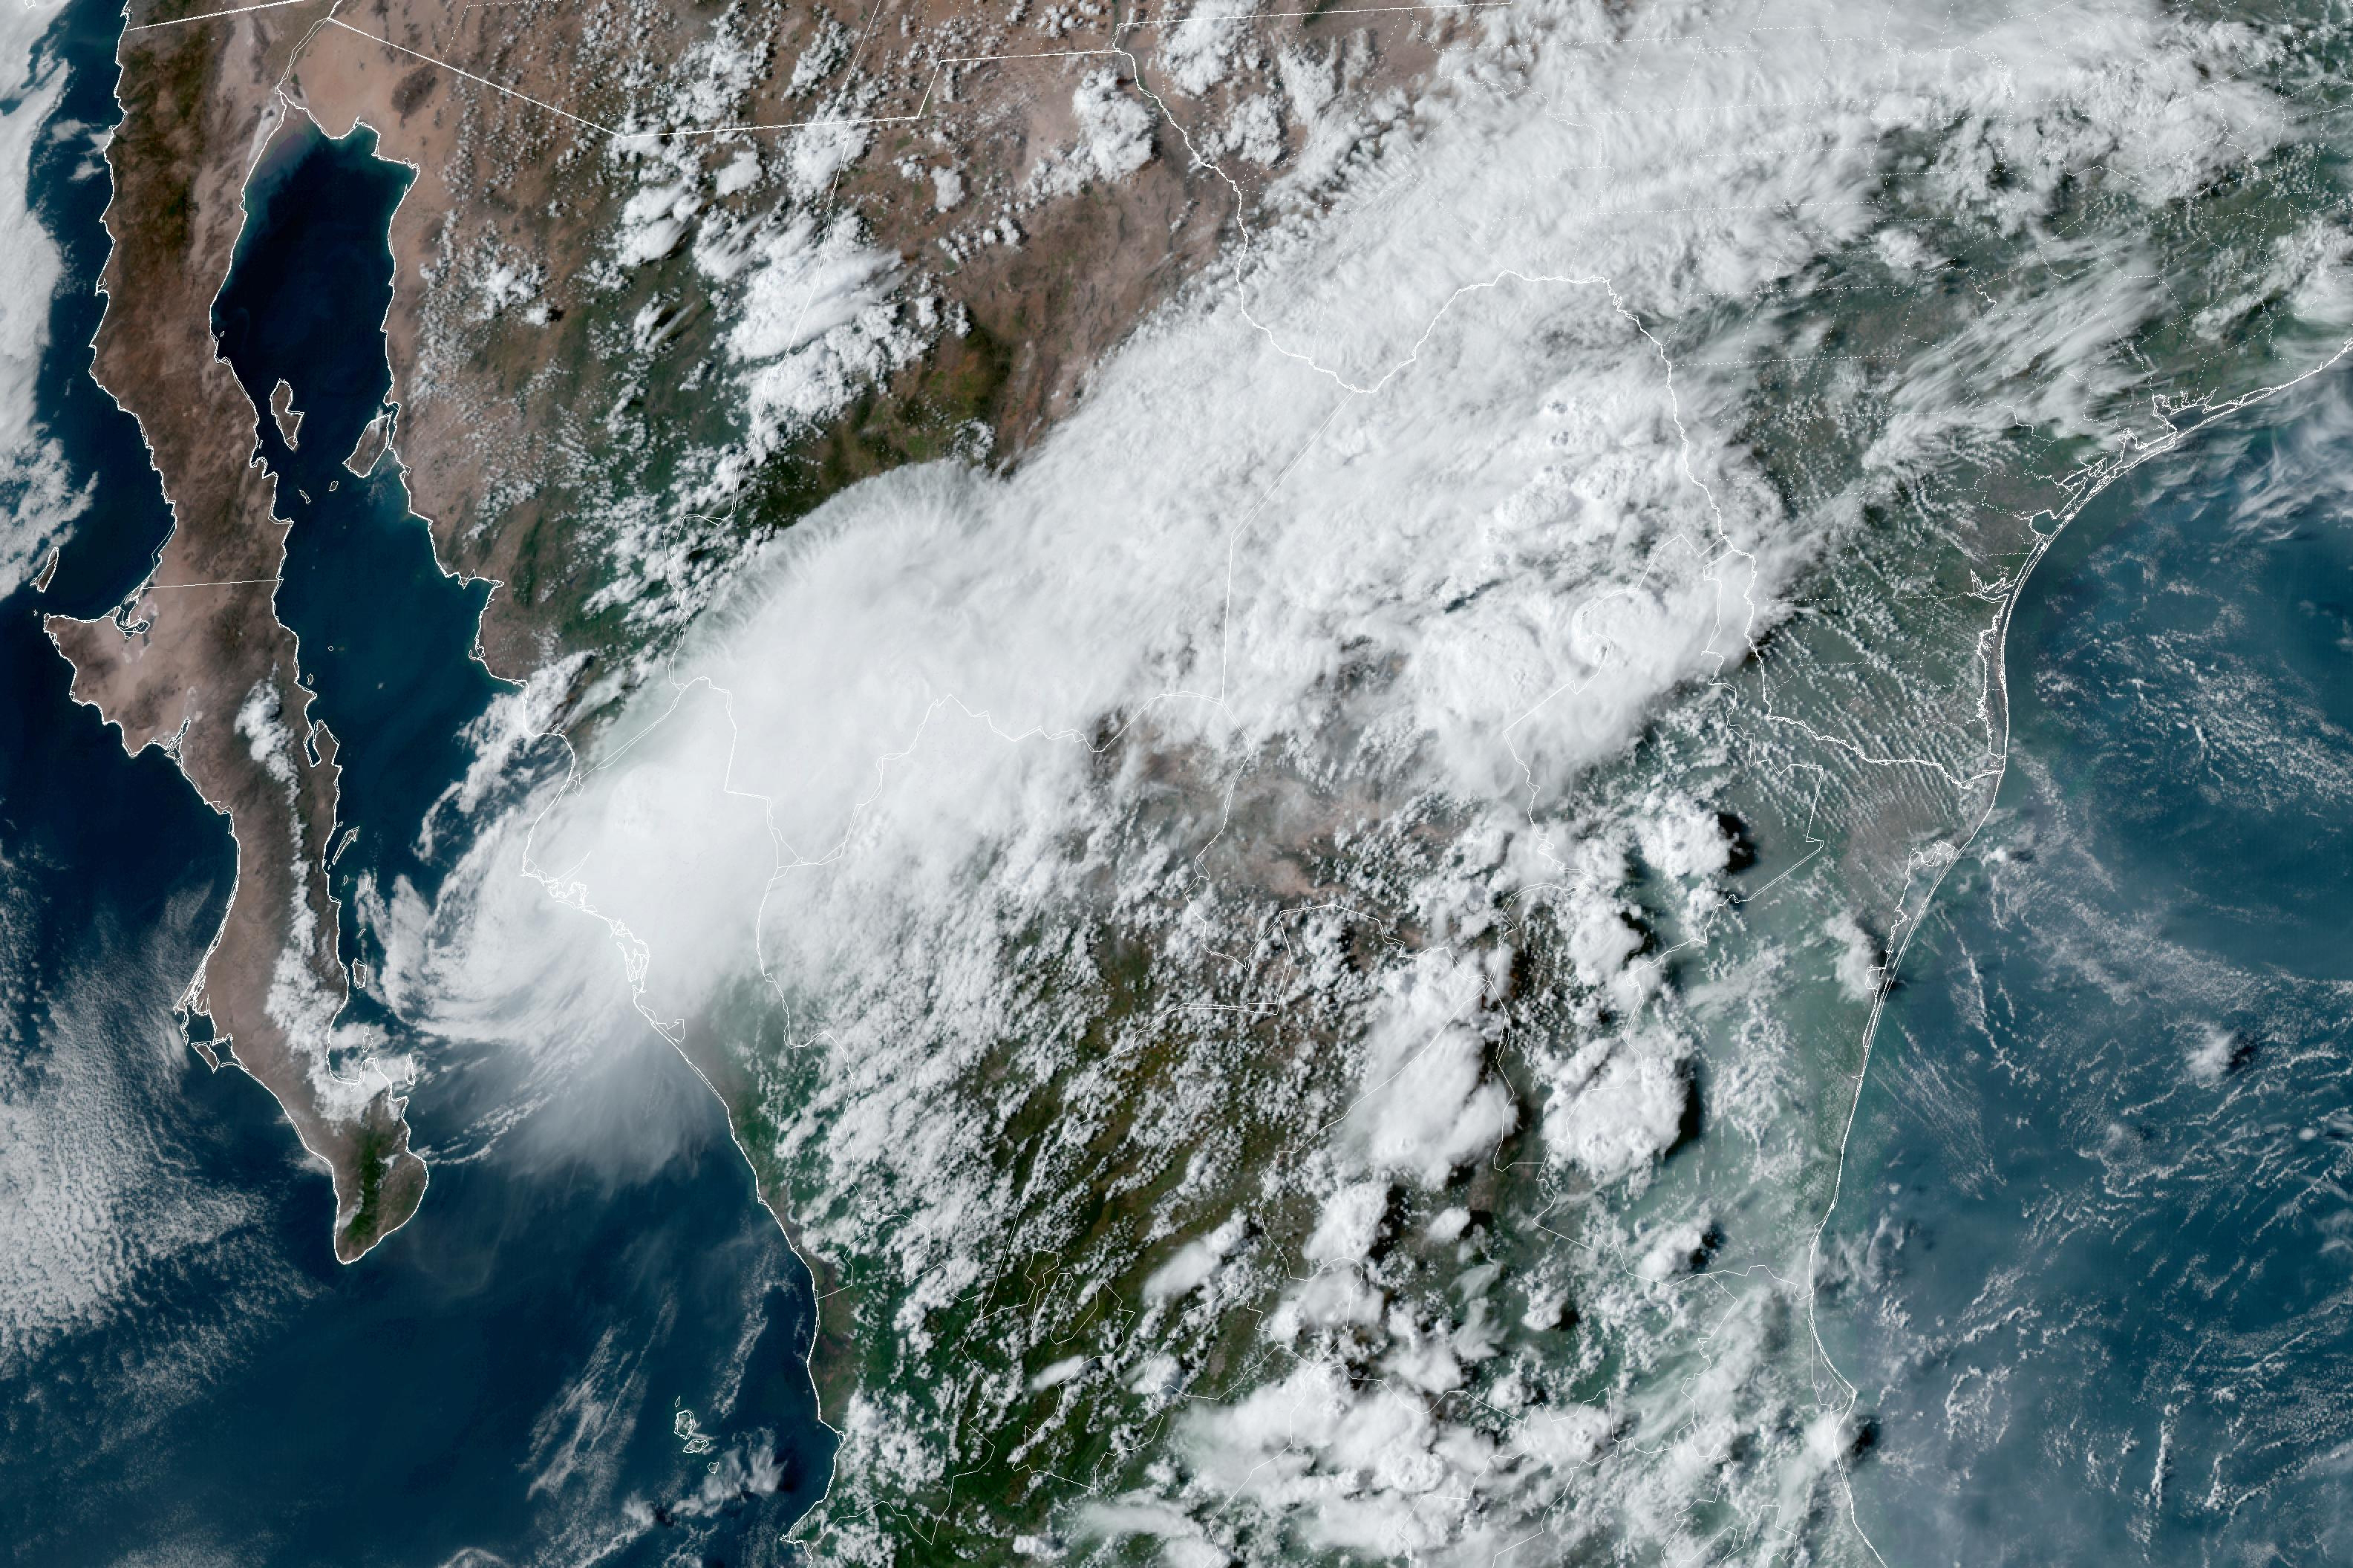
{"x":2092,"y":1271}
{"x":185,"y":1367}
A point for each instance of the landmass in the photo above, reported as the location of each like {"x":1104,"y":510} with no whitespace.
{"x":370,"y":449}
{"x":1019,"y":177}
{"x":289,"y":418}
{"x":670,"y":276}
{"x":197,"y":663}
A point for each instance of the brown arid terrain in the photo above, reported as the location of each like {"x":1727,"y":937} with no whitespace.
{"x":1023,"y":188}
{"x":197,"y":663}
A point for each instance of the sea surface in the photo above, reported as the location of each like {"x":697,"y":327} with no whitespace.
{"x":2093,"y":1270}
{"x":573,"y":1351}
{"x":385,"y":638}
{"x":2091,"y":1273}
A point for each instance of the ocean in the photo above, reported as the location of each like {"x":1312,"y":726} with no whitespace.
{"x":567,"y":1354}
{"x":2093,"y":1269}
{"x":2088,"y":1273}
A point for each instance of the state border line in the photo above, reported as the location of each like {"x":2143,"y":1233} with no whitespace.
{"x":214,"y":16}
{"x":1145,"y":22}
{"x":922,"y":109}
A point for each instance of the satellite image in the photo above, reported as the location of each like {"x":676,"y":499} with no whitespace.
{"x":1162,"y":782}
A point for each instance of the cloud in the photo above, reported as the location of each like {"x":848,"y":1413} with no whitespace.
{"x":37,"y":495}
{"x":816,"y":324}
{"x":1197,"y":51}
{"x":1212,"y":782}
{"x":99,"y":1215}
{"x":1430,"y":1105}
{"x":1350,"y":1224}
{"x":1857,"y":961}
{"x":1619,"y":1102}
{"x":1116,"y":128}
{"x":1195,"y":1261}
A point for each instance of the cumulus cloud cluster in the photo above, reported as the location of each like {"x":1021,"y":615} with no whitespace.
{"x":99,"y":1212}
{"x":1226,"y":786}
{"x":865,"y":775}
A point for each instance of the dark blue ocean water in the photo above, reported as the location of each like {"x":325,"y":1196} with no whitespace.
{"x":2093,"y":1270}
{"x":186,"y":1374}
{"x":385,"y":638}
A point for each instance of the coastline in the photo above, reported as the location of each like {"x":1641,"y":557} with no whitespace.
{"x":188,"y":665}
{"x":2095,"y":481}
{"x":193,"y":664}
